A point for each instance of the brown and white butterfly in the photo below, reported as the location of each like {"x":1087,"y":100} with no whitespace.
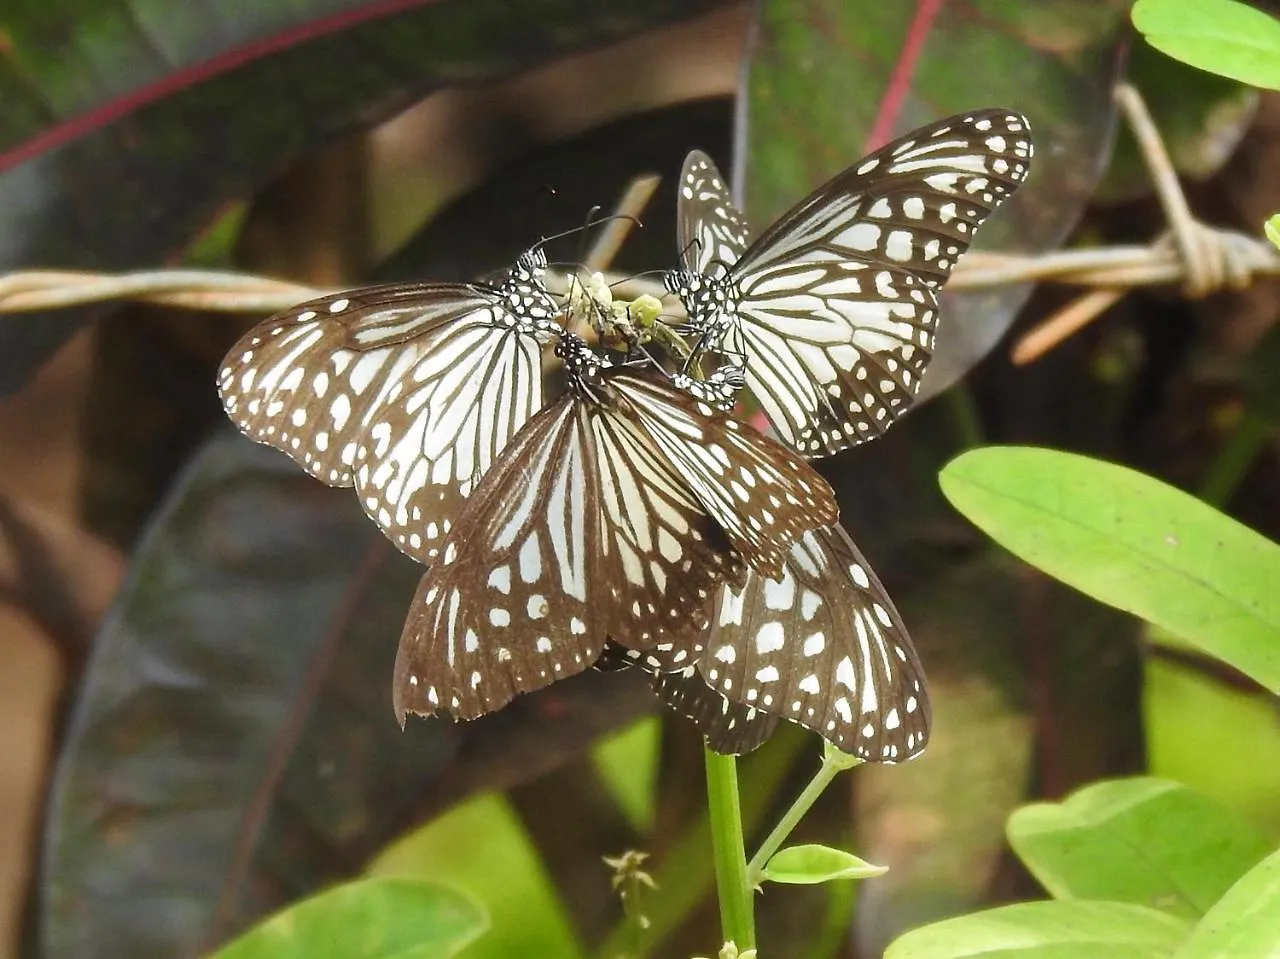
{"x":833,"y":308}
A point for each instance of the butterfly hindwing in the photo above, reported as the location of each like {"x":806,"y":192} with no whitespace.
{"x":825,"y":648}
{"x":729,"y":727}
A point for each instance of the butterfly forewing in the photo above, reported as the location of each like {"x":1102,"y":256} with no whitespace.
{"x":711,"y":230}
{"x":825,"y":648}
{"x":914,"y":203}
{"x":508,"y":608}
{"x":284,"y":382}
{"x":406,"y":392}
{"x":663,"y":556}
{"x":835,"y":305}
{"x":760,"y":493}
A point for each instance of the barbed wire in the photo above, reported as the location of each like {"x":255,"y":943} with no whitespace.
{"x":1199,"y":258}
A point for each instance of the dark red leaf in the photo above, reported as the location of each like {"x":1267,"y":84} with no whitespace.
{"x":234,"y":746}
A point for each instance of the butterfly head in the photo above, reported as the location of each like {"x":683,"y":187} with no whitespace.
{"x":710,"y":302}
{"x":531,"y":265}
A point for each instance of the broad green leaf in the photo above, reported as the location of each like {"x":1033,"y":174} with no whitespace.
{"x":1146,"y":841}
{"x":1193,"y":724}
{"x":1133,"y":542}
{"x":1048,"y":930}
{"x":1222,"y":36}
{"x":367,"y":919}
{"x":481,"y":848}
{"x":627,"y":763}
{"x":1272,"y":228}
{"x":1245,"y":924}
{"x":814,"y":863}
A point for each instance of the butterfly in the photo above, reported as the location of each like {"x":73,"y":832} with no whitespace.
{"x":833,"y":309}
{"x":615,"y":513}
{"x":407,"y":392}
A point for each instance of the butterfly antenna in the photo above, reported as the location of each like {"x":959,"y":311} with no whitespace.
{"x":591,"y":221}
{"x":694,"y":243}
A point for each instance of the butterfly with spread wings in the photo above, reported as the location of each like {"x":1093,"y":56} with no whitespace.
{"x":834,"y":307}
{"x":616,"y":512}
{"x":406,"y":392}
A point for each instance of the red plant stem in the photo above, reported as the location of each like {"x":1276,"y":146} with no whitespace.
{"x":903,"y":73}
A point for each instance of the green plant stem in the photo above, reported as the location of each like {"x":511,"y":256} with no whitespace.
{"x":737,"y":911}
{"x":964,"y":415}
{"x":831,"y":767}
{"x":1231,"y":464}
{"x":686,"y":872}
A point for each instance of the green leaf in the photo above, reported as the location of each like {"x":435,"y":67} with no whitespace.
{"x":1133,"y":542}
{"x":1221,"y":36}
{"x":1245,"y":923}
{"x":1272,"y":229}
{"x":814,"y":863}
{"x":627,"y":763}
{"x":367,"y":919}
{"x":1048,"y":930}
{"x":1193,"y":721}
{"x":1146,"y":841}
{"x":482,"y":848}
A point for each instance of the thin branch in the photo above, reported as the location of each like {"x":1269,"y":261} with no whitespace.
{"x":627,"y":216}
{"x":1201,"y":258}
